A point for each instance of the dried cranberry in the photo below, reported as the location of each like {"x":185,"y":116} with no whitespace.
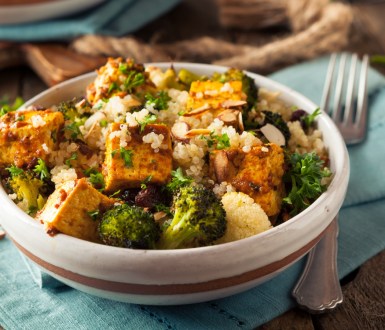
{"x":298,"y":114}
{"x":149,"y":197}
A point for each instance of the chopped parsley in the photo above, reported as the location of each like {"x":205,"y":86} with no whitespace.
{"x":147,"y":180}
{"x":159,"y":101}
{"x":95,"y":178}
{"x":134,"y":79}
{"x":41,"y":169}
{"x":220,"y":141}
{"x":125,"y":154}
{"x":15,"y":171}
{"x":20,"y":118}
{"x":149,"y":119}
{"x":73,"y":156}
{"x":113,"y":87}
{"x":123,"y":68}
{"x":178,"y":180}
{"x":74,"y":129}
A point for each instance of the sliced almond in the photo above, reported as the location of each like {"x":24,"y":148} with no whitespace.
{"x":233,"y":103}
{"x":273,"y":134}
{"x":197,"y":131}
{"x":197,"y":111}
{"x":92,"y":136}
{"x":131,"y":102}
{"x":240,"y":122}
{"x":179,"y":130}
{"x":221,"y":166}
{"x":229,"y":117}
{"x":159,"y":215}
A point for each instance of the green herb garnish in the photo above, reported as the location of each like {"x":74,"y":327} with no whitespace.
{"x":221,"y":141}
{"x":15,"y":171}
{"x":41,"y":169}
{"x":304,"y":178}
{"x":178,"y":180}
{"x":125,"y":154}
{"x":73,"y":156}
{"x":147,"y":180}
{"x":309,"y":119}
{"x":74,"y":129}
{"x":149,"y":119}
{"x":158,"y":101}
{"x":134,"y":79}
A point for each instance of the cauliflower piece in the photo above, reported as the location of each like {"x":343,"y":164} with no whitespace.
{"x":244,"y":217}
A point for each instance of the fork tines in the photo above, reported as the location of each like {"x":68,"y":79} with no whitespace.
{"x":349,"y":79}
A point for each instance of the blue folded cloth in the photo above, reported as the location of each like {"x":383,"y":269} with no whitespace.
{"x":112,"y":17}
{"x":24,"y":305}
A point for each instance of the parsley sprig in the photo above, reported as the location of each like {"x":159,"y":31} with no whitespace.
{"x":220,"y":141}
{"x":304,"y":176}
{"x":149,"y":119}
{"x":178,"y":180}
{"x":41,"y":169}
{"x":15,"y":171}
{"x":159,"y":101}
{"x":125,"y":154}
{"x":95,"y":178}
{"x":134,"y":79}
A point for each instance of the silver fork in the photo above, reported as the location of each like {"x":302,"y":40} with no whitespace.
{"x":318,"y":289}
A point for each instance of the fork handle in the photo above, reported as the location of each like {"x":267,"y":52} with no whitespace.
{"x":319,"y":289}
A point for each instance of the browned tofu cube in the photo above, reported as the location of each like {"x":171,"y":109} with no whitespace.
{"x":69,"y":209}
{"x":130,"y":165}
{"x":28,"y":134}
{"x":213,"y":94}
{"x":257,"y":173}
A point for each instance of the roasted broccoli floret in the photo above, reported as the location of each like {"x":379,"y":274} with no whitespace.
{"x":75,"y":112}
{"x":248,"y":84}
{"x":129,"y":227}
{"x":274,"y":118}
{"x":199,"y":219}
{"x":30,"y":190}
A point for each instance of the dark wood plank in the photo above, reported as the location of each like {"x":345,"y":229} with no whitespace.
{"x":364,"y":305}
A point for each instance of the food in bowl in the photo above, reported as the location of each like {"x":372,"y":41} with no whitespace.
{"x":163,"y":159}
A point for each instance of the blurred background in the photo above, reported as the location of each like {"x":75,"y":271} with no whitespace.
{"x":59,"y":39}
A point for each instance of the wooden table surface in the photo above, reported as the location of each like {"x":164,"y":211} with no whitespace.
{"x":364,"y":289}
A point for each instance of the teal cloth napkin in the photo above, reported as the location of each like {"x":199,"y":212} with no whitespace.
{"x":24,"y":305}
{"x":112,"y":17}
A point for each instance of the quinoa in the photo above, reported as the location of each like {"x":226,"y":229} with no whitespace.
{"x":37,"y":121}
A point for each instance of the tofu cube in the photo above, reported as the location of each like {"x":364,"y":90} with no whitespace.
{"x":28,"y":134}
{"x":132,"y":159}
{"x":69,"y":207}
{"x":213,"y":94}
{"x":257,"y":173}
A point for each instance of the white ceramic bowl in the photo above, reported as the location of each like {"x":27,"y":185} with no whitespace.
{"x":166,"y":277}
